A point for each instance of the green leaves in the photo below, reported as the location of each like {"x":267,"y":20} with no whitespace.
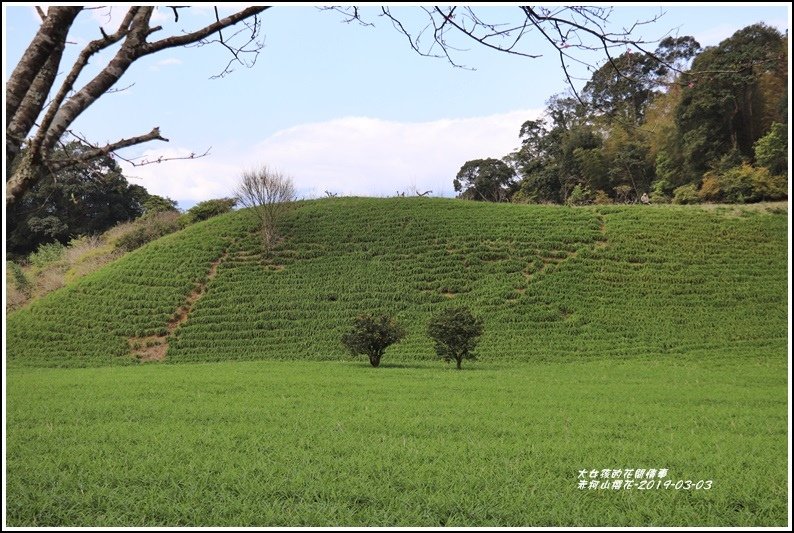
{"x":484,"y":180}
{"x":371,"y":335}
{"x":456,"y":332}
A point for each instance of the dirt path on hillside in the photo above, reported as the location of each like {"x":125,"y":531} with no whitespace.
{"x":154,"y":347}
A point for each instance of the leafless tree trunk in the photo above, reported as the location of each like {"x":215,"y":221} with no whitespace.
{"x":32,"y":83}
{"x":269,"y":193}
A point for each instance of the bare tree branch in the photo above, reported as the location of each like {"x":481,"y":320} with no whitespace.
{"x":249,"y":49}
{"x":33,"y":79}
{"x":96,"y":152}
{"x":203,"y":33}
{"x":82,"y":60}
{"x":144,"y":161}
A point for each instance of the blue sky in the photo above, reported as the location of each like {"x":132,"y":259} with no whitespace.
{"x":339,"y":107}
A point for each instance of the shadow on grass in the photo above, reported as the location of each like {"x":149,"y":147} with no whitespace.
{"x":427,"y":366}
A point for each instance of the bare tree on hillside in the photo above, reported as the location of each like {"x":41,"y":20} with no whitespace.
{"x":269,"y":193}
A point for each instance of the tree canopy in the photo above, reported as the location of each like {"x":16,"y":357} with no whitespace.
{"x":79,"y":200}
{"x":647,"y":124}
{"x":484,"y":179}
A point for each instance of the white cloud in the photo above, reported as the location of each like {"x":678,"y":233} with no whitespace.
{"x":367,"y":156}
{"x":168,"y":61}
{"x":349,"y":156}
{"x":184,"y":180}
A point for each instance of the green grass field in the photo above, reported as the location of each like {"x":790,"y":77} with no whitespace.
{"x":616,"y":337}
{"x":340,"y":443}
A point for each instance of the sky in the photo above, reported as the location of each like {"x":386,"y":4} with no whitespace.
{"x":339,"y":107}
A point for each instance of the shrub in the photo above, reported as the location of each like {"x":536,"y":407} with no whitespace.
{"x":686,"y":194}
{"x":601,"y":198}
{"x":661,"y":190}
{"x":710,"y":188}
{"x":456,"y":332}
{"x":736,"y":184}
{"x":741,"y":184}
{"x":46,"y":254}
{"x":771,"y":150}
{"x":371,"y":335}
{"x":147,"y":229}
{"x":21,"y":282}
{"x":623,"y":193}
{"x":18,"y":286}
{"x":580,"y":196}
{"x":768,"y":186}
{"x":208,"y":209}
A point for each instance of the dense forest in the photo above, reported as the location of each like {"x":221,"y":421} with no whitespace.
{"x":686,"y":126}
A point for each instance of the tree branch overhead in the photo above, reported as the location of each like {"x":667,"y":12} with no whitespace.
{"x":32,"y":138}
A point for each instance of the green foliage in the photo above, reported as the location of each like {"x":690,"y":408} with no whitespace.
{"x":484,"y":180}
{"x":623,"y":93}
{"x":686,"y":194}
{"x":208,"y":209}
{"x":541,"y":187}
{"x":742,"y":184}
{"x":580,"y":196}
{"x":154,"y":204}
{"x":371,"y":335}
{"x":593,"y":167}
{"x":666,"y":170}
{"x":631,"y":134}
{"x":730,"y":97}
{"x":46,"y":254}
{"x":553,"y":284}
{"x":661,"y":192}
{"x":771,"y":150}
{"x":455,"y":332}
{"x":149,"y":228}
{"x":21,"y":281}
{"x":768,"y":186}
{"x":736,"y":184}
{"x":80,"y":200}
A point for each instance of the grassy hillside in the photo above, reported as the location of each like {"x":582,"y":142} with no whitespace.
{"x":550,"y":282}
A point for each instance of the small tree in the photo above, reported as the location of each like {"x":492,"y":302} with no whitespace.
{"x":268,"y":192}
{"x":371,"y":335}
{"x":484,"y":180}
{"x":771,"y":150}
{"x":456,"y":332}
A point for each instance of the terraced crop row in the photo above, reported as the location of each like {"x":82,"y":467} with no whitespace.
{"x":549,"y":281}
{"x":91,"y":321}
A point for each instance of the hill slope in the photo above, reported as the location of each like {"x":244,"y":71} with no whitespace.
{"x":549,"y":281}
